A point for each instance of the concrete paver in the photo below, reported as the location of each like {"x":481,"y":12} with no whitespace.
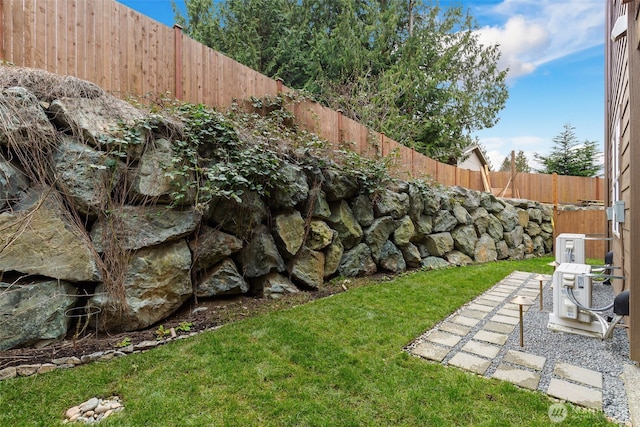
{"x":480,"y":307}
{"x":508,"y":312}
{"x":525,"y":359}
{"x":505,"y":319}
{"x":431,"y":351}
{"x":490,"y":303}
{"x":474,"y":314}
{"x":470,"y":362}
{"x":444,"y":338}
{"x":466,"y":321}
{"x":492,"y":337}
{"x":503,"y":328}
{"x":578,"y":394}
{"x":520,"y":377}
{"x":455,"y":328}
{"x":578,"y":374}
{"x":481,"y":349}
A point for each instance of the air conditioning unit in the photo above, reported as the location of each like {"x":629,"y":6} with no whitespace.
{"x":570,"y":248}
{"x":572,"y":282}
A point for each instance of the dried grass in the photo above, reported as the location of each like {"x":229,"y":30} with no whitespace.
{"x":47,"y":86}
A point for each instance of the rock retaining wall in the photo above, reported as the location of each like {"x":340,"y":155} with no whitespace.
{"x":59,"y":224}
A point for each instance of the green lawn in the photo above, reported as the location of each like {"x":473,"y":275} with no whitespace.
{"x":333,"y":362}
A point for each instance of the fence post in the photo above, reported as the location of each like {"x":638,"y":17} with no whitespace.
{"x":278,"y":86}
{"x":2,"y":27}
{"x":382,"y":143}
{"x":177,"y":38}
{"x":340,"y":136}
{"x":554,"y":189}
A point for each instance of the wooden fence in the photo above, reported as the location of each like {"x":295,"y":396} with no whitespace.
{"x":125,"y":52}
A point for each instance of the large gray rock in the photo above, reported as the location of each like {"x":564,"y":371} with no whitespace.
{"x":411,"y":255}
{"x":238,"y":217}
{"x":458,"y":258}
{"x":308,"y":268}
{"x":34,"y":313}
{"x":444,"y":221}
{"x":533,"y":229}
{"x":320,"y":235}
{"x":157,"y":282}
{"x":260,"y":256}
{"x":491,"y":203}
{"x":343,"y":221}
{"x":391,"y":258}
{"x":528,"y":244}
{"x":480,"y":219}
{"x":432,"y":200}
{"x":404,"y":232}
{"x":538,"y":246}
{"x":338,"y":185}
{"x":293,"y":190}
{"x":363,"y":210}
{"x":97,"y":120}
{"x":39,"y":239}
{"x":495,"y":228}
{"x":357,"y":262}
{"x":212,"y":246}
{"x":517,"y":252}
{"x":223,"y":279}
{"x":275,"y":285}
{"x":439,"y":244}
{"x":135,"y":227}
{"x":469,"y":199}
{"x":514,"y":237}
{"x":465,"y":239}
{"x":317,"y":205}
{"x":434,"y":263}
{"x":416,"y":201}
{"x":24,"y":123}
{"x":535,"y":214}
{"x":157,"y":177}
{"x":377,"y":235}
{"x":486,"y":250}
{"x":333,"y":255}
{"x":13,"y":183}
{"x":508,"y":217}
{"x":461,"y":214}
{"x":502,"y":250}
{"x":523,"y":217}
{"x":288,"y":232}
{"x":423,"y":226}
{"x":87,"y":176}
{"x":390,"y":203}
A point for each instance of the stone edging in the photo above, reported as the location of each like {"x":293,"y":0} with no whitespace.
{"x":99,"y":356}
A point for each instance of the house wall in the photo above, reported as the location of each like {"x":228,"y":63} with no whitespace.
{"x":622,"y":147}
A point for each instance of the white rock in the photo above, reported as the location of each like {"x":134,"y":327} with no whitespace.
{"x":89,"y":405}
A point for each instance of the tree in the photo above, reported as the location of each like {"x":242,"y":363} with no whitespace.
{"x":521,"y":163}
{"x":569,"y":157}
{"x":416,"y":73}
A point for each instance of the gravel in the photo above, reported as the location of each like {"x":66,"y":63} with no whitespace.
{"x":607,"y":357}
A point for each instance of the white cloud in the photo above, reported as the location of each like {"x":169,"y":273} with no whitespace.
{"x":498,"y":148}
{"x":539,"y":31}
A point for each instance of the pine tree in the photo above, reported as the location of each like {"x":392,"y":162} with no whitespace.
{"x":569,"y":156}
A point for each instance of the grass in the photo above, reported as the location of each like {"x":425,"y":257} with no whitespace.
{"x":337,"y":361}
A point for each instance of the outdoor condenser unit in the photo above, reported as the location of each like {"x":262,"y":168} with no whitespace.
{"x":570,"y":248}
{"x":573,"y":281}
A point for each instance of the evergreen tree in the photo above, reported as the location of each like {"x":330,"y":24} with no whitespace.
{"x":521,"y":163}
{"x":569,"y":157}
{"x":417,"y":73}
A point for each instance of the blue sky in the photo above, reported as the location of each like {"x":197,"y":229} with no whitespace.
{"x":554,"y":50}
